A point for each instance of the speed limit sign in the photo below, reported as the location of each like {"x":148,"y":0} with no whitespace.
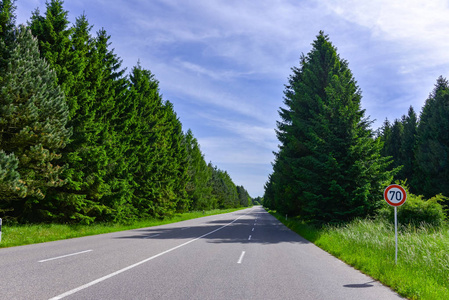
{"x":395,"y":195}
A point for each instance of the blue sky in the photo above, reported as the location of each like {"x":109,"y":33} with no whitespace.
{"x":224,"y":63}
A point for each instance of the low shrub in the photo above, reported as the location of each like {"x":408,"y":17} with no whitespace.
{"x":416,"y":210}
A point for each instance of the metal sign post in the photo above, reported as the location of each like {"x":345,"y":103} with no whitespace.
{"x":396,"y":235}
{"x":395,"y":196}
{"x":0,"y":230}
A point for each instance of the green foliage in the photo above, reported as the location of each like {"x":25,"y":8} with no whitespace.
{"x":329,"y":167}
{"x":243,"y":196}
{"x":33,"y":126}
{"x":223,"y":188}
{"x":7,"y":16}
{"x":416,"y":211}
{"x":197,"y":187}
{"x":432,"y":143}
{"x":78,"y":63}
{"x":7,"y":24}
{"x":420,"y":147}
{"x":408,"y":141}
{"x":10,"y":183}
{"x":156,"y":142}
{"x":399,"y":141}
{"x":257,"y":201}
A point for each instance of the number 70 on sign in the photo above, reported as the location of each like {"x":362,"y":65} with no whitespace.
{"x":395,"y":195}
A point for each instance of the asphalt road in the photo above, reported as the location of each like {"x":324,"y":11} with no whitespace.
{"x":247,"y":254}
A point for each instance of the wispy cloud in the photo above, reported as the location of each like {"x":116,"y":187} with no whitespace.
{"x":231,"y":150}
{"x":260,"y":135}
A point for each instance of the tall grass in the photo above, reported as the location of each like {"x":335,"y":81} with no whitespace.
{"x":422,"y":271}
{"x":17,"y":235}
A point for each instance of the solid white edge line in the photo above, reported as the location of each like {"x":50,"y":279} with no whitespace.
{"x":71,"y":292}
{"x":241,"y":257}
{"x":53,"y":258}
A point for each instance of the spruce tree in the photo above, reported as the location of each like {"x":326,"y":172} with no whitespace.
{"x":155,"y":143}
{"x":111,"y":85}
{"x":33,"y":129}
{"x":7,"y":25}
{"x":408,"y":143}
{"x":392,"y":138}
{"x":53,"y":33}
{"x":244,"y":198}
{"x":328,"y":167}
{"x":432,"y":148}
{"x":197,"y":187}
{"x":87,"y":70}
{"x":224,"y":191}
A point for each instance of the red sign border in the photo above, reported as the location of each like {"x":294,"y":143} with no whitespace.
{"x":402,"y":190}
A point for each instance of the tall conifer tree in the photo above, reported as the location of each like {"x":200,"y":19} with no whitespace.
{"x":7,"y":24}
{"x":410,"y":125}
{"x":198,"y":188}
{"x":87,"y":71}
{"x":111,"y":85}
{"x":34,"y":115}
{"x":155,"y":142}
{"x":328,"y":167}
{"x":432,"y":149}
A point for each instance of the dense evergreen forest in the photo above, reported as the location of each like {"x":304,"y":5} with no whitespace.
{"x":82,"y":141}
{"x":420,"y":146}
{"x":331,"y":167}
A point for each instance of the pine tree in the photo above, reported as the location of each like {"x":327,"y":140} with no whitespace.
{"x":10,"y":183}
{"x":33,"y":128}
{"x":328,"y":167}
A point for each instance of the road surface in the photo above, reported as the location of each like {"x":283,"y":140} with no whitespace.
{"x":246,"y":254}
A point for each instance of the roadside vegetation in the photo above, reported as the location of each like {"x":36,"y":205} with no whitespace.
{"x":422,"y":270}
{"x":84,"y":141}
{"x":331,"y":169}
{"x":19,"y":234}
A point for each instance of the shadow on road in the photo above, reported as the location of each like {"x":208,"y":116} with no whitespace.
{"x":360,"y":285}
{"x":257,"y":227}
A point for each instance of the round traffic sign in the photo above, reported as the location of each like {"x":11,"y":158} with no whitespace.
{"x":395,"y":195}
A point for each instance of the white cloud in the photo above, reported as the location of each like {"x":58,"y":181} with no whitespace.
{"x":230,"y":150}
{"x":246,"y":132}
{"x":418,"y":28}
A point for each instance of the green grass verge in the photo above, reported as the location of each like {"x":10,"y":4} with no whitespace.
{"x":17,"y":235}
{"x":422,"y":271}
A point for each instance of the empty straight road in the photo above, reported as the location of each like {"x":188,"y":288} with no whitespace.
{"x":247,"y":254}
